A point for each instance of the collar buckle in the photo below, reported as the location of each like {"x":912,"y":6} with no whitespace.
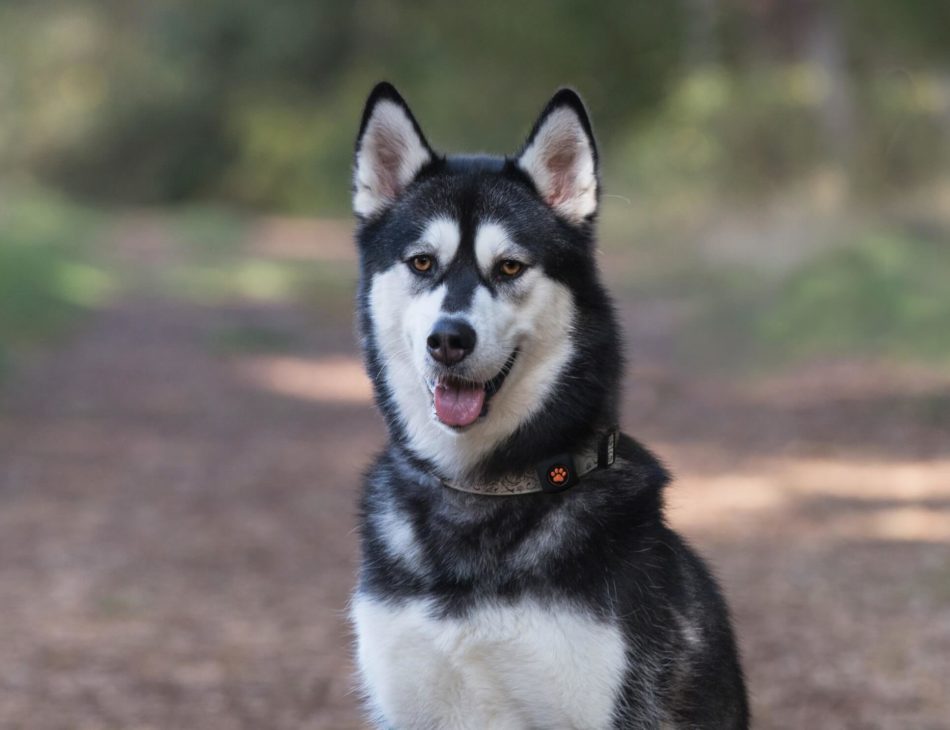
{"x":607,"y":449}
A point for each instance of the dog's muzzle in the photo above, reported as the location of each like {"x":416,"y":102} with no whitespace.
{"x":459,"y":402}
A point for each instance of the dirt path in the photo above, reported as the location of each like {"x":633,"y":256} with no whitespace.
{"x":177,"y":547}
{"x":176,"y":544}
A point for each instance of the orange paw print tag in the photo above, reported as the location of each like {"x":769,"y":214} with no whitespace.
{"x":557,"y":475}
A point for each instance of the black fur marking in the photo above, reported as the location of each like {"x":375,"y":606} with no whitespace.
{"x":494,"y":385}
{"x":462,"y":277}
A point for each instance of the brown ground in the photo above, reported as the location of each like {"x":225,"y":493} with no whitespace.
{"x":176,"y":524}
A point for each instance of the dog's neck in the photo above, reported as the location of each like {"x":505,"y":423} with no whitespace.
{"x":557,"y":473}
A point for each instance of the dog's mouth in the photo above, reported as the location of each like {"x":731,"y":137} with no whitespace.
{"x":458,"y":403}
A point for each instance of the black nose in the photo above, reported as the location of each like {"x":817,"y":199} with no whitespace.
{"x":451,"y":341}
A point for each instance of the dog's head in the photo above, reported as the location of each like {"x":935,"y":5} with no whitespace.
{"x":479,"y":292}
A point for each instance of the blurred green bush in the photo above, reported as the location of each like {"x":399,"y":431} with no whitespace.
{"x":881,"y":294}
{"x":48,"y":275}
{"x":876,"y":293}
{"x":752,"y":135}
{"x":256,"y":103}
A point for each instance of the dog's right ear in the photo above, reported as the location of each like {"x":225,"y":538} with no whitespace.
{"x":390,"y":151}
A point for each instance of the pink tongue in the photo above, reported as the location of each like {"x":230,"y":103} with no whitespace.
{"x":458,"y":405}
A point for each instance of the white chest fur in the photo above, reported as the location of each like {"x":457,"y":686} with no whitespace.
{"x":505,"y":667}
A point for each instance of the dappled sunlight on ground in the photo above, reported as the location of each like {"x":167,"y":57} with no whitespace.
{"x":282,"y":237}
{"x":852,"y":380}
{"x":827,"y":499}
{"x":333,"y":379}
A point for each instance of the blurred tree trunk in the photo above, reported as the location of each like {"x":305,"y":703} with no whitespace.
{"x":701,"y":33}
{"x":824,"y":49}
{"x":944,"y":76}
{"x":810,"y":32}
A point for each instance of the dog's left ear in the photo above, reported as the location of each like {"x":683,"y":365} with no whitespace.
{"x":390,"y":151}
{"x":560,"y":157}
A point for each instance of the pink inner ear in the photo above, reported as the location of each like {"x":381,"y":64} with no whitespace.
{"x":561,"y":163}
{"x":387,"y":154}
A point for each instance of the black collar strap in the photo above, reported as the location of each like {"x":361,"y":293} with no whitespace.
{"x":556,"y":474}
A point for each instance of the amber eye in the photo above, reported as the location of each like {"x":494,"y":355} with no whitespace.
{"x":421,"y":263}
{"x":510,"y":268}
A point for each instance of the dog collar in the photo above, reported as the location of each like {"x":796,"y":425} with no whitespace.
{"x":556,"y":474}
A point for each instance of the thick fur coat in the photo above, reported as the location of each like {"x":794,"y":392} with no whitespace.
{"x":492,"y":345}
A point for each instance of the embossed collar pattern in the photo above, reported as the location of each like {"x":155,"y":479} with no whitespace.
{"x":556,"y":474}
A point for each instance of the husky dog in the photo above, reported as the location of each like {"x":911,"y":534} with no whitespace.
{"x":517,"y":571}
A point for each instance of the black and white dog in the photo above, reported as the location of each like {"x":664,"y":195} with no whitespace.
{"x":517,"y":571}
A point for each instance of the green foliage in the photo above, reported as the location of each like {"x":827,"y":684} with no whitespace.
{"x":286,"y":153}
{"x":717,"y":126}
{"x":905,"y":139}
{"x":906,"y":32}
{"x":885,"y":294}
{"x":47,"y":274}
{"x":208,"y":233}
{"x":253,"y":339}
{"x":261,"y":280}
{"x":877,"y":293}
{"x":256,"y":103}
{"x":753,"y":134}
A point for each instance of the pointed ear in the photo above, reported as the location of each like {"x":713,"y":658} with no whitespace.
{"x":560,"y":157}
{"x":390,"y":151}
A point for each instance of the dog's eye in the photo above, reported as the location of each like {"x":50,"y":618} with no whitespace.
{"x":422,"y":263}
{"x":509,"y":268}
